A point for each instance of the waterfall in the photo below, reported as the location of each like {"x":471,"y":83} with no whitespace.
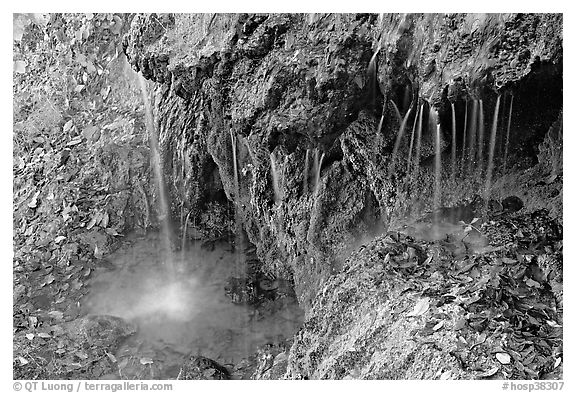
{"x":508,"y":132}
{"x":164,"y":203}
{"x":491,"y":151}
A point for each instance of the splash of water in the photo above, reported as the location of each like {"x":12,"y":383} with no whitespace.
{"x":508,"y":132}
{"x":174,"y":319}
{"x":275,"y":179}
{"x":164,"y":208}
{"x":491,"y":151}
{"x":399,"y":139}
{"x":453,"y":162}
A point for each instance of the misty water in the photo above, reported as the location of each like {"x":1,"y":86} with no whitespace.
{"x":190,"y":315}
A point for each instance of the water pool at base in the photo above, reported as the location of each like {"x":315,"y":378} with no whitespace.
{"x":186,"y":315}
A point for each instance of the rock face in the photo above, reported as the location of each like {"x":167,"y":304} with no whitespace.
{"x":199,"y":367}
{"x":282,"y":128}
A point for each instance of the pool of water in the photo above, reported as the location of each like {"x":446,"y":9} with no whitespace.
{"x":185,"y":314}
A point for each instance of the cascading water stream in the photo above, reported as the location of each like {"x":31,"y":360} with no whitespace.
{"x":396,"y":110}
{"x":437,"y":160}
{"x":409,"y":163}
{"x":399,"y":140}
{"x":317,"y":169}
{"x":472,"y":144}
{"x":237,"y":215}
{"x":305,"y":173}
{"x":463,"y":161}
{"x":453,"y":156}
{"x":164,"y":205}
{"x":275,"y":179}
{"x":508,"y":132}
{"x":480,"y":156}
{"x":418,"y":143}
{"x":491,"y":151}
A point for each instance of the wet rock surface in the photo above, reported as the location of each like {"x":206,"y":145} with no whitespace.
{"x":199,"y":367}
{"x":395,"y":314}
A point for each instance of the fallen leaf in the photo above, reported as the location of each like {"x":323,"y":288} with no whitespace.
{"x":20,"y":66}
{"x":44,"y":335}
{"x":557,"y":362}
{"x":111,"y":357}
{"x":446,"y":375}
{"x":23,"y":361}
{"x":489,"y":373}
{"x":56,"y":314}
{"x":59,"y":239}
{"x":438,"y":326}
{"x":30,"y":336}
{"x":420,"y":308}
{"x":97,"y":253}
{"x":503,"y":357}
{"x":145,"y":361}
{"x":460,"y":324}
{"x":34,"y":202}
{"x":554,"y":324}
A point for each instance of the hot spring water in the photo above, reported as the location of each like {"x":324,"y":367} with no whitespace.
{"x":174,"y":318}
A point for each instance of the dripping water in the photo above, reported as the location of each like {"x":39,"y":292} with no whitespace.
{"x":508,"y":132}
{"x":418,"y":143}
{"x":316,"y":169}
{"x":306,"y":166}
{"x":437,"y":160}
{"x":275,"y":179}
{"x":464,"y":138}
{"x":453,"y":174}
{"x":399,"y":139}
{"x":480,"y":137}
{"x":164,"y":207}
{"x":372,"y":77}
{"x":491,"y":151}
{"x":185,"y":235}
{"x":472,"y":144}
{"x":381,"y":121}
{"x":396,"y":110}
{"x":237,"y":216}
{"x":409,"y":163}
